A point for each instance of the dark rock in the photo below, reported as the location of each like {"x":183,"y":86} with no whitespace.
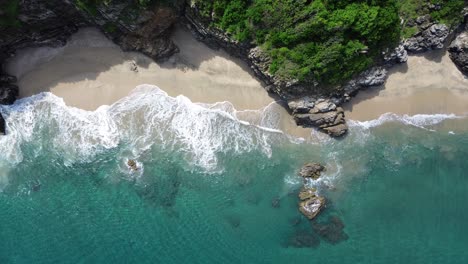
{"x":8,"y":93}
{"x":337,"y":130}
{"x":424,"y":22}
{"x":429,"y":39}
{"x":5,"y":78}
{"x":303,"y":239}
{"x":132,"y":165}
{"x":2,"y":125}
{"x":311,"y":170}
{"x":398,"y":55}
{"x":458,"y":52}
{"x":372,"y":77}
{"x":331,"y":231}
{"x":301,"y":105}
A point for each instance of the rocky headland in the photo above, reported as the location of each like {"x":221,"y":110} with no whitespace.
{"x":50,"y":23}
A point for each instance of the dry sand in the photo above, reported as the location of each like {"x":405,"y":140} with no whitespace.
{"x":429,"y":84}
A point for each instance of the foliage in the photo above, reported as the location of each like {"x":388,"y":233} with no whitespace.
{"x":449,"y":12}
{"x":323,"y":40}
{"x":9,"y":13}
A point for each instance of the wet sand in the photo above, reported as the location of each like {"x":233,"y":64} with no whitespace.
{"x":427,"y":84}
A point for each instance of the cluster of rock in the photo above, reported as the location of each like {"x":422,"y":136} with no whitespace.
{"x":458,"y":50}
{"x":321,"y":113}
{"x":146,"y":31}
{"x":8,"y":94}
{"x":310,"y":203}
{"x":430,"y":36}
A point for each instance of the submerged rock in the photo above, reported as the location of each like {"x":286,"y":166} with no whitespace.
{"x":311,"y":170}
{"x":303,"y":239}
{"x":275,"y":203}
{"x":458,"y":52}
{"x":429,"y":39}
{"x":331,"y":231}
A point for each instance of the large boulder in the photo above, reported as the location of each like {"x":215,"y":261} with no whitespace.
{"x":458,"y":52}
{"x":429,"y":39}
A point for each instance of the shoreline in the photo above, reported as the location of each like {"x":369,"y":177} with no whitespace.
{"x":427,"y":84}
{"x":90,"y":71}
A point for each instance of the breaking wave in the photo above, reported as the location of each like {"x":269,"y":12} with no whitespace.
{"x":146,"y":117}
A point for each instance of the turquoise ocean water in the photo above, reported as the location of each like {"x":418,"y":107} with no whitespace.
{"x":213,"y":189}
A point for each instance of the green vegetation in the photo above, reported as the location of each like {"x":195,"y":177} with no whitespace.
{"x":328,"y":41}
{"x":324,"y":40}
{"x":449,"y":12}
{"x":9,"y":13}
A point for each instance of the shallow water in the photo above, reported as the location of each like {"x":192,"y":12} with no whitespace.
{"x":208,"y":181}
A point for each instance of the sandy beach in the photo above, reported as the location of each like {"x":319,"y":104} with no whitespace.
{"x":427,"y":84}
{"x":91,"y":71}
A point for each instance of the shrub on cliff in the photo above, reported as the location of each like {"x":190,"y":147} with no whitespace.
{"x":324,"y":40}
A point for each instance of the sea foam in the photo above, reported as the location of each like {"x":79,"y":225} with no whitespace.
{"x":146,"y":117}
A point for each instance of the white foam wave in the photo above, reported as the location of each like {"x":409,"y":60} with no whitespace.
{"x":420,"y":120}
{"x":146,"y":117}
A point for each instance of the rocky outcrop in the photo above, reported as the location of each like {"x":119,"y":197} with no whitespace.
{"x":2,"y":125}
{"x":41,"y":23}
{"x":458,"y":52}
{"x":8,"y":89}
{"x":147,"y":31}
{"x":311,"y":170}
{"x":321,"y":113}
{"x":310,"y":203}
{"x":429,"y":39}
{"x":398,"y":55}
{"x":8,"y":94}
